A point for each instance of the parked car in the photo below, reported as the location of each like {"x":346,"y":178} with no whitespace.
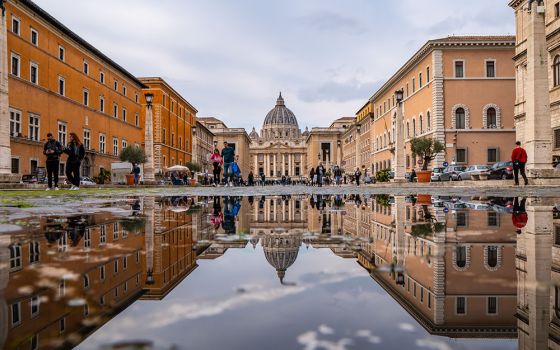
{"x":29,"y":179}
{"x":436,"y":173}
{"x":451,"y":173}
{"x":472,"y":170}
{"x":86,"y":181}
{"x":501,"y":170}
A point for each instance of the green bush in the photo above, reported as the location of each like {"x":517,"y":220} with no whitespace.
{"x":383,"y":200}
{"x":382,"y":175}
{"x":194,"y":167}
{"x":133,"y":154}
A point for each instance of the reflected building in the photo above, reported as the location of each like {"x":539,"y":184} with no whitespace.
{"x":537,"y":262}
{"x":170,"y":256}
{"x":281,"y":250}
{"x":454,"y":273}
{"x":67,"y":278}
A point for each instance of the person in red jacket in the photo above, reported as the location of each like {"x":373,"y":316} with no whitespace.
{"x":519,"y":215}
{"x":519,"y":159}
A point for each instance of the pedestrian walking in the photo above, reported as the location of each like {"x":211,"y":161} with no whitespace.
{"x":217,"y":162}
{"x":357,"y":175}
{"x":319,"y":173}
{"x":136,"y":173}
{"x":251,"y":179}
{"x":337,"y":175}
{"x":236,"y":174}
{"x":228,"y":155}
{"x":519,"y":159}
{"x":312,"y":176}
{"x":76,"y":153}
{"x":519,"y":215}
{"x":52,"y":149}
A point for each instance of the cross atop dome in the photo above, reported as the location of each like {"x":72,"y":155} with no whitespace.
{"x":280,"y":100}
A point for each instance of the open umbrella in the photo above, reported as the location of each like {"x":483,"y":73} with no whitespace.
{"x":178,"y":168}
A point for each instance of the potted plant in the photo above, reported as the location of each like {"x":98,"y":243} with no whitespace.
{"x":134,"y":155}
{"x":427,"y":149}
{"x":104,"y":176}
{"x":194,"y":168}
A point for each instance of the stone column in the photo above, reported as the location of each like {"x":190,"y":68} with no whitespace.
{"x":149,"y":207}
{"x":5,"y":148}
{"x":538,"y":131}
{"x":256,"y":162}
{"x":398,"y":210}
{"x":399,"y":145}
{"x":149,"y":176}
{"x":538,"y":246}
{"x":283,"y":158}
{"x":266,"y":162}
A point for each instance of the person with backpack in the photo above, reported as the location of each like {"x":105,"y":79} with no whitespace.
{"x":136,"y":173}
{"x":76,"y":153}
{"x":357,"y":175}
{"x":52,"y":149}
{"x":519,"y":159}
{"x":236,"y":173}
{"x":228,"y":155}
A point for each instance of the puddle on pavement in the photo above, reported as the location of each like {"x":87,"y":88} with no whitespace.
{"x":292,"y":272}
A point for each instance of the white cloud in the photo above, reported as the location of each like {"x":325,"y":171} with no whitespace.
{"x":432,"y":344}
{"x":230,"y":59}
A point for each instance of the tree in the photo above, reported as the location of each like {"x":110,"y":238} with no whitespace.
{"x":133,"y":154}
{"x":194,"y":167}
{"x":426,"y":148}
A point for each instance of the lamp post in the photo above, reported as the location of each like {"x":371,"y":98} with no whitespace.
{"x":339,"y":152}
{"x":193,"y":145}
{"x":149,"y":177}
{"x":357,"y":155}
{"x":399,"y":139}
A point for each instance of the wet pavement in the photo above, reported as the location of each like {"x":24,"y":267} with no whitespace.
{"x":280,"y":272}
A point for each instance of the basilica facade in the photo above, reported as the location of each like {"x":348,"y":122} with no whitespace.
{"x":280,"y":149}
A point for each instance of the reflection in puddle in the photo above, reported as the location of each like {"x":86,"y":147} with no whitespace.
{"x":301,"y":272}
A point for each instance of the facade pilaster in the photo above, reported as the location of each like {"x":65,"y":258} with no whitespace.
{"x":438,"y":105}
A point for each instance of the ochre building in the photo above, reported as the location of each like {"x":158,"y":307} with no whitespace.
{"x":459,"y":90}
{"x":173,"y":120}
{"x":60,"y":83}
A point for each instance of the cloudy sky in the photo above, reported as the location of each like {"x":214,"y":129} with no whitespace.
{"x":231,"y":58}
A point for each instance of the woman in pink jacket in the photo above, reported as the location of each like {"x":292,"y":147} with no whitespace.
{"x":217,"y":161}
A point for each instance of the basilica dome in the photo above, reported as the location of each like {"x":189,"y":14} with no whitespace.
{"x":280,"y":123}
{"x":281,"y":251}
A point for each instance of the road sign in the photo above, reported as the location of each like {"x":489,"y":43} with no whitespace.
{"x":445,"y":164}
{"x":446,"y":210}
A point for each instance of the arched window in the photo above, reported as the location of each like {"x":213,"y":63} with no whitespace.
{"x":491,"y":120}
{"x":421,"y":125}
{"x":556,"y":70}
{"x":492,"y":256}
{"x":413,"y":127}
{"x":461,"y":256}
{"x":460,"y":122}
{"x":384,"y":140}
{"x":408,"y":129}
{"x":429,"y":121}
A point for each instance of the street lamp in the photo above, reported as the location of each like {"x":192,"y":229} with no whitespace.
{"x":399,"y":95}
{"x":149,"y":177}
{"x":399,"y":138}
{"x":215,"y":143}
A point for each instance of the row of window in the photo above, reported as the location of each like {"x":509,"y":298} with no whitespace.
{"x":459,"y":73}
{"x":34,"y":39}
{"x":34,"y":78}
